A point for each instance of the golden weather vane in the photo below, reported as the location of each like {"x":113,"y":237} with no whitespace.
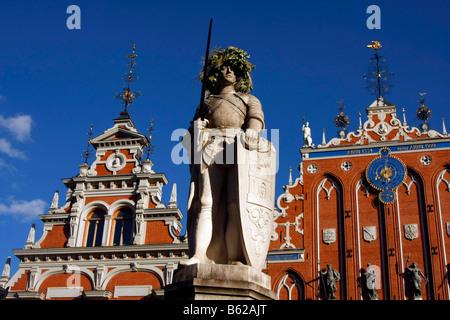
{"x":375,"y":45}
{"x":127,"y":96}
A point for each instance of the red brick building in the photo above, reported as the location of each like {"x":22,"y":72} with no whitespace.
{"x":332,"y":215}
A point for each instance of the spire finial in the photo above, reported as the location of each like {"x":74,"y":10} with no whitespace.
{"x":127,"y":96}
{"x":173,"y":197}
{"x":404,"y":118}
{"x":290,"y":175}
{"x":87,"y":153}
{"x":150,"y":149}
{"x":30,"y":239}
{"x":5,"y":276}
{"x":378,"y":77}
{"x":360,"y":121}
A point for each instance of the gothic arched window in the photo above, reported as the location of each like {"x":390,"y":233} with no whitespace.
{"x":95,"y":223}
{"x":290,"y":288}
{"x":123,"y":227}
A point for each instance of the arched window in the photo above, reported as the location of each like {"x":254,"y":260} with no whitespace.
{"x":290,"y":288}
{"x":95,"y":223}
{"x":123,"y":227}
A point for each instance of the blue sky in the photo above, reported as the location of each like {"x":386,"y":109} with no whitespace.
{"x":56,"y":82}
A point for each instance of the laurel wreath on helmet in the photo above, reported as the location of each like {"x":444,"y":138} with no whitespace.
{"x":237,"y":60}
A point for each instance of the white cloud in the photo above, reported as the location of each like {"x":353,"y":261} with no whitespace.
{"x":24,"y":210}
{"x":5,"y":147}
{"x":19,"y":126}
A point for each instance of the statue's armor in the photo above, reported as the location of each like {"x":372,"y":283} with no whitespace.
{"x":226,"y":111}
{"x":232,"y":110}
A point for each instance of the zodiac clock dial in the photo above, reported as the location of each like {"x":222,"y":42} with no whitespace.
{"x":386,"y":173}
{"x":387,"y":196}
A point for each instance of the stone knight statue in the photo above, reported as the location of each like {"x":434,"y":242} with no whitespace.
{"x":221,"y":228}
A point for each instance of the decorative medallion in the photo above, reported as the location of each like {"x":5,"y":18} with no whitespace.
{"x":329,"y":235}
{"x":411,"y":231}
{"x":115,"y":161}
{"x":370,"y":233}
{"x":312,"y":168}
{"x":346,"y":165}
{"x":426,"y":160}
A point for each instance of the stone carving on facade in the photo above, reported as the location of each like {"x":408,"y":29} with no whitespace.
{"x":296,"y":224}
{"x":329,"y":235}
{"x":411,"y":231}
{"x":382,"y":121}
{"x":370,"y":233}
{"x":100,"y":273}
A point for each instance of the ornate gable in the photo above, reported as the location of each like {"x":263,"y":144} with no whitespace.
{"x":382,"y":125}
{"x":119,"y":149}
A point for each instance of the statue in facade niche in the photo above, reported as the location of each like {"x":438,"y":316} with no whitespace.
{"x":232,"y":189}
{"x":415,"y":276}
{"x":329,"y":278}
{"x":370,"y":276}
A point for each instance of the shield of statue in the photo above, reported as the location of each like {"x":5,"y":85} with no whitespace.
{"x":256,"y":191}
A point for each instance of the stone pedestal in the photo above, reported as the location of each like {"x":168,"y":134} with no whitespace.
{"x":219,"y":282}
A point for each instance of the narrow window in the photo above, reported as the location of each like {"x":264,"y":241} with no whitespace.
{"x":123,"y":225}
{"x":96,"y":221}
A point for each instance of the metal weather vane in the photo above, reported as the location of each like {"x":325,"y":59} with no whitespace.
{"x":87,"y":153}
{"x":127,"y":96}
{"x":378,"y":77}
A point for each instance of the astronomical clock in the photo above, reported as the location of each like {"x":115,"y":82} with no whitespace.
{"x":385,"y":173}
